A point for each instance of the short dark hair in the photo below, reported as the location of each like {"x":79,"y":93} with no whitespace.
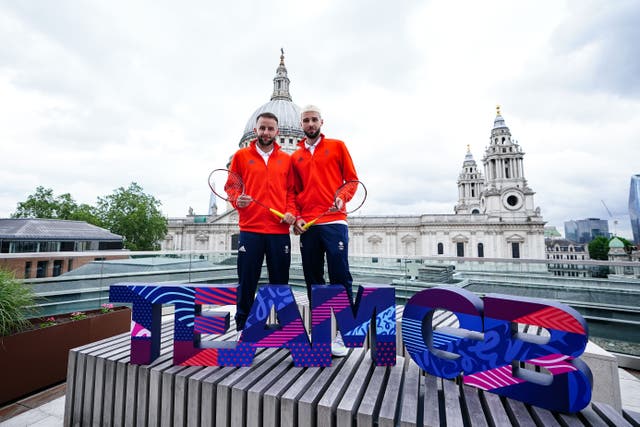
{"x":267,"y":115}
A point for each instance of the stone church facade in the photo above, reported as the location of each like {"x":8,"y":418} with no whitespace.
{"x":494,"y":217}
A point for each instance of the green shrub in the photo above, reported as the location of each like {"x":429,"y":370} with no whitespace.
{"x":16,"y":302}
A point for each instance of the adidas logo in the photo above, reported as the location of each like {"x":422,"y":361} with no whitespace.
{"x":242,"y":249}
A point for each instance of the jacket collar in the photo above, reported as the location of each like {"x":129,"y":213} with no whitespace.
{"x":304,"y":140}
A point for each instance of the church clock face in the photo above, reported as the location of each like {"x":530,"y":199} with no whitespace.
{"x":512,"y":200}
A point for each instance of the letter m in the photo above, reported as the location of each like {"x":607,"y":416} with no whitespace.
{"x":373,"y":310}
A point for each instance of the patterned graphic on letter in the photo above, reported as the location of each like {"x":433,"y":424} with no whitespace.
{"x":373,"y":302}
{"x":491,"y":359}
{"x":289,"y":332}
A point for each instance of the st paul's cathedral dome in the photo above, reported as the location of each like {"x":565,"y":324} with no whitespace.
{"x":283,"y":107}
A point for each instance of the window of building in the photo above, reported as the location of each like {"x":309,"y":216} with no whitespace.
{"x":66,"y":246}
{"x":57,"y":267}
{"x":41,"y":270}
{"x":460,"y":248}
{"x":20,"y":247}
{"x":27,"y":269}
{"x":70,"y":264}
{"x":234,"y":241}
{"x":480,"y":250}
{"x":515,"y":250}
{"x":49,"y":247}
{"x":440,"y":249}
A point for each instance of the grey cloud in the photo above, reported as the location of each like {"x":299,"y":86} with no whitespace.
{"x":608,"y":34}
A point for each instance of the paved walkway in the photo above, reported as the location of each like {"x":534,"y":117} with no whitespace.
{"x":51,"y":414}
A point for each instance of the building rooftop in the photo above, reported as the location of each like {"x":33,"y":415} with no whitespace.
{"x":52,"y":229}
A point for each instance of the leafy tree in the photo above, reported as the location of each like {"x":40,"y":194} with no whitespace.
{"x":599,"y":248}
{"x":135,"y":216}
{"x":41,"y":204}
{"x":128,"y":212}
{"x":87,"y":213}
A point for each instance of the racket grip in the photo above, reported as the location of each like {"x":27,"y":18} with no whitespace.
{"x":309,"y":224}
{"x":276,"y":213}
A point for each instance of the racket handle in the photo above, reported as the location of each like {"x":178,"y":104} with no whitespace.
{"x":309,"y":224}
{"x":276,"y":213}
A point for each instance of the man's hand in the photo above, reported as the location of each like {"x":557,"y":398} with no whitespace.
{"x":339,"y":204}
{"x":297,"y":227}
{"x":243,"y":201}
{"x":289,"y":218}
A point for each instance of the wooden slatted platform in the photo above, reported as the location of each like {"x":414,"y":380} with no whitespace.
{"x":104,"y":389}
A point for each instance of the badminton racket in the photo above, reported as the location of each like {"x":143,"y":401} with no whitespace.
{"x":349,"y":197}
{"x":228,"y":185}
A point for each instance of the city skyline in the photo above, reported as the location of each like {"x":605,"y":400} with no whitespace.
{"x":97,"y":96}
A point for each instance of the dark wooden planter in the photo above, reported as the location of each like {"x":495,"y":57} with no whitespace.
{"x":35,"y":359}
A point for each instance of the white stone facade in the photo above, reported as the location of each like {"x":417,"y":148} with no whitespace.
{"x":494,"y":216}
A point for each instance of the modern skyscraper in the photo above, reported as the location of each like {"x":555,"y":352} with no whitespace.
{"x":634,"y":207}
{"x":585,"y":230}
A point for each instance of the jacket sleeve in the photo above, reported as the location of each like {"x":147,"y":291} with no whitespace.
{"x":348,"y":171}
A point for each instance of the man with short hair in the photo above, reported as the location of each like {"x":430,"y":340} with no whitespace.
{"x":321,"y":165}
{"x":268,"y":177}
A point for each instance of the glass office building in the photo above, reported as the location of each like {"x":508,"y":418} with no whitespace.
{"x":585,"y":230}
{"x":634,"y":207}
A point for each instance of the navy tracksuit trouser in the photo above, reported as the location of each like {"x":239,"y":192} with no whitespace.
{"x":331,"y":240}
{"x":252,"y":249}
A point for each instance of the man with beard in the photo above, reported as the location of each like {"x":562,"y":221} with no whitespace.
{"x":267,"y":176}
{"x":321,"y":165}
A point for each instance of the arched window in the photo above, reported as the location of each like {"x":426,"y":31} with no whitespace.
{"x":480,"y":250}
{"x":440,"y":249}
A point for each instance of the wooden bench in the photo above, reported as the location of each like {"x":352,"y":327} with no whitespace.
{"x":104,"y":389}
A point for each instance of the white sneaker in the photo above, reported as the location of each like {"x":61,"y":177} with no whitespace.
{"x":338,"y":348}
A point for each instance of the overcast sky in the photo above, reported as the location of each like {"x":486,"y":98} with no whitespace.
{"x":95,"y":95}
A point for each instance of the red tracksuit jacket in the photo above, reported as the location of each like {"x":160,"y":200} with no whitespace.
{"x":271,"y":184}
{"x":318,"y":176}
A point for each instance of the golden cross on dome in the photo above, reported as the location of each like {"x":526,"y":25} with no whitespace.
{"x":468,"y":148}
{"x":498,"y":110}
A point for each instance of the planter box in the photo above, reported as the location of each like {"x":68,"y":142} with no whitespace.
{"x":37,"y":358}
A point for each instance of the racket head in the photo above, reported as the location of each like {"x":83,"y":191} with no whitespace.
{"x":226,"y":184}
{"x":354,"y":193}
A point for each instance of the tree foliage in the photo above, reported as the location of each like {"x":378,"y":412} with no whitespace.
{"x":43,"y":204}
{"x":134,"y":215}
{"x":599,"y":248}
{"x":128,"y":212}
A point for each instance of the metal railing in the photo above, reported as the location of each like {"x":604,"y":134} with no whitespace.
{"x":607,"y":294}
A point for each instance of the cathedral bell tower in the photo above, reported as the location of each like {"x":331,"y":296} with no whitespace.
{"x":507,"y":195}
{"x":470,"y":186}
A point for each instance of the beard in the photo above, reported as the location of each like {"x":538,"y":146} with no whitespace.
{"x":313,"y":135}
{"x":265,"y":142}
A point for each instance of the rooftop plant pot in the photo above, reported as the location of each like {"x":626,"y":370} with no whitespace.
{"x":35,"y":359}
